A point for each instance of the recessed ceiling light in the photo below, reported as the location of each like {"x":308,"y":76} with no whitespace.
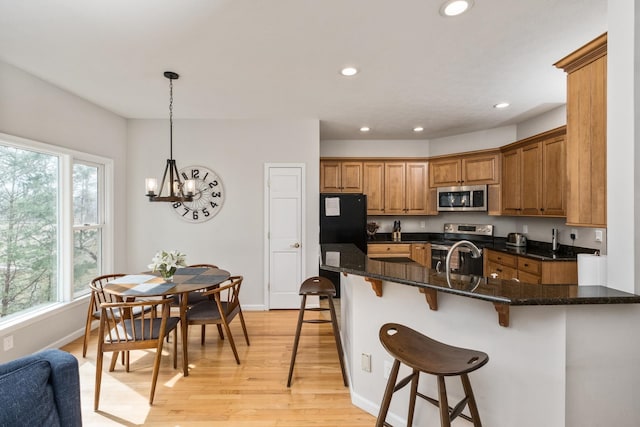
{"x":418,"y":129}
{"x":455,"y":7}
{"x":365,"y":129}
{"x":501,"y":105}
{"x":349,"y":71}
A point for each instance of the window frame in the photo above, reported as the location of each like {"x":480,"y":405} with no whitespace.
{"x":66,"y":159}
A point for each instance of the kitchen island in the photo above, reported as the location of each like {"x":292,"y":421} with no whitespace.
{"x":567,"y":357}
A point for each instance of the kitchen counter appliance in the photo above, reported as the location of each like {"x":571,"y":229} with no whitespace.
{"x":462,"y":198}
{"x":516,"y":239}
{"x":479,"y":234}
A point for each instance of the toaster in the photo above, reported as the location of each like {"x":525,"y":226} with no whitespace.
{"x":516,"y":239}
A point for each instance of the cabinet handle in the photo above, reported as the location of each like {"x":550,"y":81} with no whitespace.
{"x":499,"y":270}
{"x":526,"y":265}
{"x":541,"y":209}
{"x":516,"y":279}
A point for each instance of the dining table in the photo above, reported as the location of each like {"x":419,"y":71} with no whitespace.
{"x":151,"y":284}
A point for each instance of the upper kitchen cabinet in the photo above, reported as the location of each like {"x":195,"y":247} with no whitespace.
{"x":373,"y":186}
{"x":406,"y":188}
{"x":586,"y":148}
{"x":471,"y":169}
{"x":337,"y":176}
{"x":533,"y":175}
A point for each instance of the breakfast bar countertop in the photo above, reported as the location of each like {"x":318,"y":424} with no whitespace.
{"x":347,"y":258}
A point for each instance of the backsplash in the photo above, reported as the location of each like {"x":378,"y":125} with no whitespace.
{"x":538,"y":229}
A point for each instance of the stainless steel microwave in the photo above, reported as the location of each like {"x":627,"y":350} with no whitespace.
{"x":462,"y":198}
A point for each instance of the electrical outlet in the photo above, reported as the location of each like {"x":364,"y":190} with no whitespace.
{"x":525,"y":229}
{"x":8,"y":342}
{"x":598,"y":235}
{"x":387,"y":369}
{"x":423,"y":224}
{"x":366,"y":362}
{"x":574,"y":233}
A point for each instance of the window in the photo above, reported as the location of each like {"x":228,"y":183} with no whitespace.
{"x":39,"y":264}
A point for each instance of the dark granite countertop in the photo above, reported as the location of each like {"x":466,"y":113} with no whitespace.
{"x":534,"y":249}
{"x":348,"y":258}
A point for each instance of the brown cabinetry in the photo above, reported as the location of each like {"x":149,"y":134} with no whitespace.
{"x":528,"y":270}
{"x":405,"y":188}
{"x":340,"y":176}
{"x":473,"y":169}
{"x":533,"y":175}
{"x":373,"y":186}
{"x":587,"y":134}
{"x":390,"y":250}
{"x":421,"y":253}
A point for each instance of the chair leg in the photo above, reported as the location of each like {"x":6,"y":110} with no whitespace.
{"x":96,"y":396}
{"x":156,"y":369}
{"x":336,"y":334}
{"x":175,"y":348}
{"x":233,"y":344}
{"x":412,"y":397}
{"x":114,"y":359}
{"x":202,"y":334}
{"x":220,"y":332}
{"x":473,"y":408}
{"x":445,"y":419}
{"x":244,"y":327}
{"x":87,"y":327}
{"x":388,"y":393}
{"x":297,"y":339}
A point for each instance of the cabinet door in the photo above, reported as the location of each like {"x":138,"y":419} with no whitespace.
{"x":586,"y":145}
{"x":511,"y":182}
{"x":329,"y":176}
{"x":421,"y":253}
{"x":373,"y":187}
{"x":351,"y":177}
{"x":531,"y":179}
{"x":480,"y":169}
{"x":553,"y":177}
{"x":394,"y":188}
{"x":500,"y":271}
{"x":445,"y":172}
{"x":416,"y":194}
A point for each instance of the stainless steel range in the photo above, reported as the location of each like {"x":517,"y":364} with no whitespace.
{"x":462,"y":262}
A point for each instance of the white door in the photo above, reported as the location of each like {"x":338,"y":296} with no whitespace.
{"x":284,"y":234}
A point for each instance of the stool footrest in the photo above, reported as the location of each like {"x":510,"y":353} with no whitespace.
{"x":403,"y":382}
{"x":316,"y":321}
{"x":316,"y":309}
{"x":455,"y":412}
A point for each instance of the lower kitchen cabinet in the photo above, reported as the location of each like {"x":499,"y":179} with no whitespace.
{"x":421,"y":253}
{"x":389,"y":250}
{"x":528,"y":270}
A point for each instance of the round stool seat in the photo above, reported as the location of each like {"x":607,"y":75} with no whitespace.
{"x":428,"y":355}
{"x":318,"y":286}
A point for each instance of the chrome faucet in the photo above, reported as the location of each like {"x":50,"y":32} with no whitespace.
{"x":475,"y":253}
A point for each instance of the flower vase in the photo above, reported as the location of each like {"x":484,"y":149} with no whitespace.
{"x":167,"y":275}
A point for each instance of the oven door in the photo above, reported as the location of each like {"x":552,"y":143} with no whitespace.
{"x":461,"y":263}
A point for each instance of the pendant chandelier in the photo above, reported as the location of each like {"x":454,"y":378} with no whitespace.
{"x":171,"y":189}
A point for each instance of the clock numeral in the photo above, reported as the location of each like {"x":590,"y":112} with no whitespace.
{"x":204,"y":178}
{"x":216,"y":194}
{"x":213,"y":183}
{"x":195,"y":214}
{"x":176,"y":205}
{"x":186,"y":210}
{"x":184,"y":176}
{"x":205,"y":212}
{"x":195,"y":173}
{"x":213,"y":205}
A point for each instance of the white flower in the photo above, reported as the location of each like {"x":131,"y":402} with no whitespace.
{"x":167,"y":260}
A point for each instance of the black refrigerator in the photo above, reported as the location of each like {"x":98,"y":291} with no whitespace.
{"x":343,"y":219}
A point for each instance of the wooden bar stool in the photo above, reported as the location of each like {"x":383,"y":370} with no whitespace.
{"x":323,"y":287}
{"x":424,"y":354}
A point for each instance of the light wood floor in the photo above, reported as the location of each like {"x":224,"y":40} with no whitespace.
{"x":218,"y":392}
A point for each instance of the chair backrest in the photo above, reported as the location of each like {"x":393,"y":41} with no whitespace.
{"x":133,"y":324}
{"x":203,"y":265}
{"x":98,"y":295}
{"x":227,"y":296}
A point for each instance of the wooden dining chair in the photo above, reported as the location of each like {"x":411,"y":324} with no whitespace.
{"x":120,"y":330}
{"x":220,"y":310}
{"x":98,"y":296}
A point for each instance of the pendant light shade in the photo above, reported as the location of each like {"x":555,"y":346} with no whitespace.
{"x":171,"y":188}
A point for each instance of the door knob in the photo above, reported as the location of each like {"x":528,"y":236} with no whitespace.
{"x":295,"y":245}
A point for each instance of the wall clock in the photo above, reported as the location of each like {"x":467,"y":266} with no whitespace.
{"x":208,"y":197}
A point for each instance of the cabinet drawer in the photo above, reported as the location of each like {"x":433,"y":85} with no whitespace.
{"x":525,"y":277}
{"x":504,"y":259}
{"x":389,"y":250}
{"x":530,"y":266}
{"x":501,"y":271}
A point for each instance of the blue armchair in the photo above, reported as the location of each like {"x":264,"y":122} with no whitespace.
{"x":42,"y":389}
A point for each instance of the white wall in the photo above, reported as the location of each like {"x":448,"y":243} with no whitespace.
{"x":33,"y":109}
{"x":237,"y":151}
{"x":374,"y":148}
{"x":549,"y":120}
{"x":623,"y":162}
{"x":490,"y":138}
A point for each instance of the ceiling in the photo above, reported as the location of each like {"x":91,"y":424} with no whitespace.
{"x":281,"y":59}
